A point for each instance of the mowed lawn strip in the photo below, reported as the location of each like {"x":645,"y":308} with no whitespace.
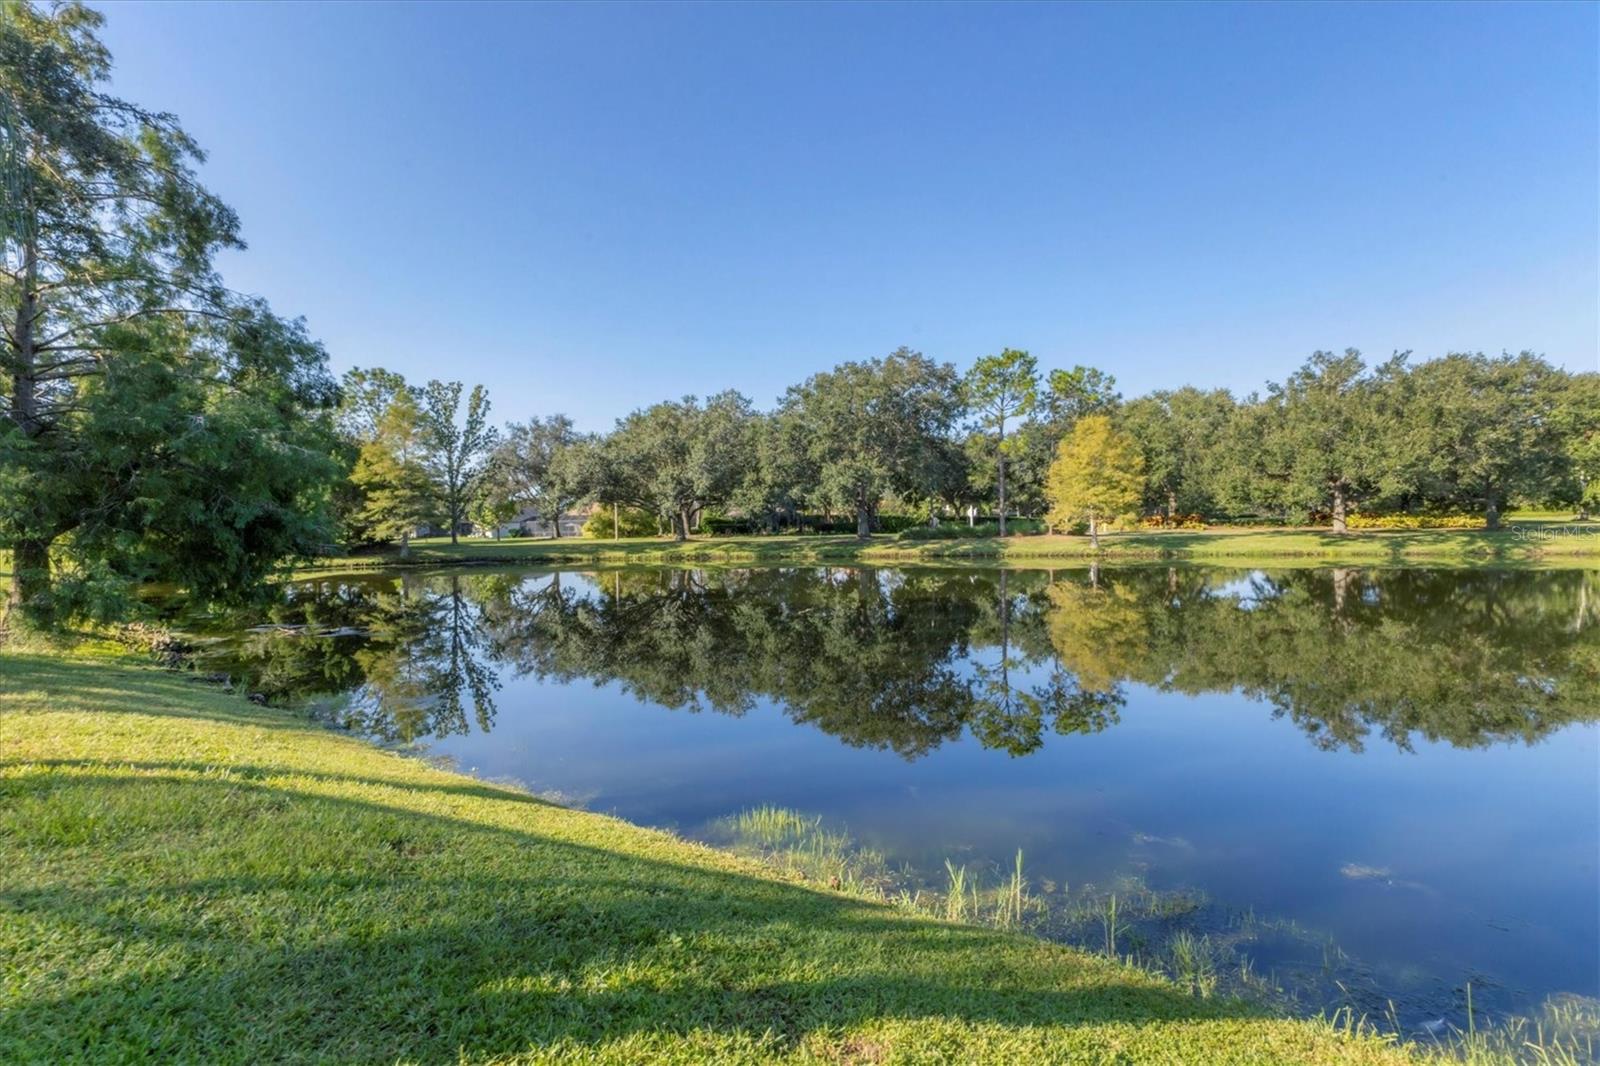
{"x":1554,"y":543}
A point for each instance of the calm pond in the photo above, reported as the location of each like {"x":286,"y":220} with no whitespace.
{"x":1321,"y":787}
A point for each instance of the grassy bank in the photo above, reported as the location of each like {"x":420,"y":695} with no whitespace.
{"x":187,"y":877}
{"x":1528,"y":543}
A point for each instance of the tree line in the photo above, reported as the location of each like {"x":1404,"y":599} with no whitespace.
{"x":907,"y":435}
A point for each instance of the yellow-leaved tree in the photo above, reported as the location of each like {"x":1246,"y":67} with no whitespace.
{"x":1098,"y":474}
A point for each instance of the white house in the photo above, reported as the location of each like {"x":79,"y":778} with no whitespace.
{"x":530,"y":523}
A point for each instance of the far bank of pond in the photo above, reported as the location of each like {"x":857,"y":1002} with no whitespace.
{"x":1322,"y":788}
{"x":1528,"y":542}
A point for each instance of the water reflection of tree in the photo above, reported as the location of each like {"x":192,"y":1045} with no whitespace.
{"x":1466,"y":657}
{"x":867,"y":656}
{"x":1012,"y":716}
{"x":907,"y":660}
{"x":411,"y":651}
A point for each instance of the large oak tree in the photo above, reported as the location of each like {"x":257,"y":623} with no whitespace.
{"x":153,"y":423}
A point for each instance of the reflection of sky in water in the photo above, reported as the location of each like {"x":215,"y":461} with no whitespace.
{"x":1491,"y":853}
{"x":1244,"y":589}
{"x":1435,"y":865}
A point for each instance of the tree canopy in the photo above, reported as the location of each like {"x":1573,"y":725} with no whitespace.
{"x":1098,"y":475}
{"x":1000,"y":388}
{"x":864,"y":429}
{"x":156,"y":425}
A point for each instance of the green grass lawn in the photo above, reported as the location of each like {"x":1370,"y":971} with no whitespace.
{"x":187,"y":878}
{"x":1526,"y":541}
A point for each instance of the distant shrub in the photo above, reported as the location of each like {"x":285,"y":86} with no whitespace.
{"x":948,"y":531}
{"x":726,"y":526}
{"x":634,"y":522}
{"x":899,"y":523}
{"x":1253,"y":521}
{"x":1416,"y":521}
{"x":723,"y":526}
{"x":958,"y":530}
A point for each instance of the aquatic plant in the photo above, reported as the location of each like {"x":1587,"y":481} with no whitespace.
{"x":955,"y":899}
{"x":1192,"y":963}
{"x":1015,"y":897}
{"x":1112,"y":926}
{"x":1180,"y":934}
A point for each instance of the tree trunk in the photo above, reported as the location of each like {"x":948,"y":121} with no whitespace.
{"x":616,"y":522}
{"x":1094,"y":531}
{"x":680,"y":523}
{"x":30,"y":559}
{"x":1172,"y":505}
{"x":405,"y":544}
{"x":863,"y":522}
{"x":1491,"y":514}
{"x":24,"y":379}
{"x":1002,"y":488}
{"x":1343,"y":577}
{"x":1339,"y":509}
{"x":30,"y":584}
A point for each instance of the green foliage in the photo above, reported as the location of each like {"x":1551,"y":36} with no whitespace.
{"x":863,"y":430}
{"x":957,"y":529}
{"x":1098,"y":475}
{"x":397,"y":491}
{"x":1485,"y":430}
{"x":1078,"y":393}
{"x":630,"y":522}
{"x":158,"y":427}
{"x":999,"y":388}
{"x":1324,"y":438}
{"x":672,"y":459}
{"x":1180,"y":434}
{"x":529,"y":469}
{"x":724,"y":525}
{"x":1578,"y":422}
{"x":455,"y":447}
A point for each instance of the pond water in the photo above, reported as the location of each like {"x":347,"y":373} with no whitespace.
{"x":1325,"y":788}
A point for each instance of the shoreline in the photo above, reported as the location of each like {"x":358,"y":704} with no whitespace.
{"x":269,"y":794}
{"x":1521,"y":545}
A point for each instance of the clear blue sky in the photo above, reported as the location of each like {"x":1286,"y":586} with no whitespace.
{"x":591,"y":208}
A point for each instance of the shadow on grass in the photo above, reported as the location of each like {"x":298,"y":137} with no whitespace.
{"x":245,"y":772}
{"x":63,"y":683}
{"x":223,"y":919}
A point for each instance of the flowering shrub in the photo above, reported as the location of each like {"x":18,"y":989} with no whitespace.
{"x":1179,"y":521}
{"x":1416,"y":521}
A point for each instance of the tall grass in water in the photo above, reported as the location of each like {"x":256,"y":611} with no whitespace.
{"x":1192,"y":963}
{"x":774,"y":826}
{"x":1159,"y":932}
{"x":1014,"y":898}
{"x":956,"y":895}
{"x":1108,"y":918}
{"x":801,"y":846}
{"x":1565,"y":1032}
